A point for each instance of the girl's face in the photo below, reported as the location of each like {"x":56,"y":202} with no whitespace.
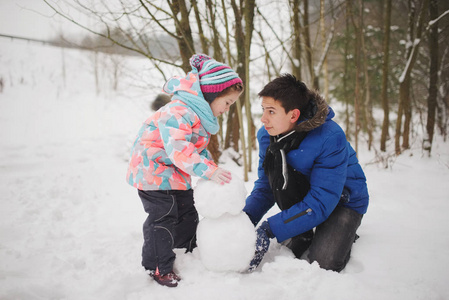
{"x":221,"y":104}
{"x":275,"y":119}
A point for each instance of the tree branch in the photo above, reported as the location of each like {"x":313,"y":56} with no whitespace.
{"x":109,"y":37}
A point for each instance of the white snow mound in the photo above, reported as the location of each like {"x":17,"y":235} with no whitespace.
{"x":226,"y":243}
{"x":212,"y":200}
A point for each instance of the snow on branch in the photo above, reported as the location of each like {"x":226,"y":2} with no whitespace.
{"x":432,"y":22}
{"x":410,"y":59}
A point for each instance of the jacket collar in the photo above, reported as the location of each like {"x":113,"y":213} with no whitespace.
{"x":322,"y":113}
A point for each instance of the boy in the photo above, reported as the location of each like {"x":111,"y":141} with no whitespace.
{"x":308,"y":168}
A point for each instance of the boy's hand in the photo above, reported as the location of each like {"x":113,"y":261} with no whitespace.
{"x":221,"y":176}
{"x":264,"y":234}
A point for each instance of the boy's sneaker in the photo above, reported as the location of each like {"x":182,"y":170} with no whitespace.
{"x":170,"y":279}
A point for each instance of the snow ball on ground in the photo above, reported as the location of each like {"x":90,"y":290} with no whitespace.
{"x":213,"y":200}
{"x":226,"y":243}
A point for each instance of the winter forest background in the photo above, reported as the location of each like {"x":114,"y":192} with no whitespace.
{"x":384,"y":61}
{"x":366,"y":54}
{"x":71,"y":103}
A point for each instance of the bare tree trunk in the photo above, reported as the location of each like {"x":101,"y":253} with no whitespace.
{"x":228,"y":47}
{"x":185,"y":44}
{"x":233,"y":130}
{"x":443,"y":105}
{"x":385,"y":67}
{"x":228,"y":51}
{"x":408,"y":105}
{"x":203,"y":39}
{"x":249,"y":26}
{"x":218,"y":54}
{"x":323,"y":43}
{"x":433,"y":77}
{"x":367,"y":105}
{"x":443,"y":98}
{"x":308,"y":44}
{"x":242,"y":140}
{"x":405,"y":80}
{"x":358,"y":29}
{"x":345,"y":75}
{"x":297,"y":49}
{"x":243,"y":36}
{"x":404,"y":93}
{"x":322,"y":62}
{"x":214,"y":144}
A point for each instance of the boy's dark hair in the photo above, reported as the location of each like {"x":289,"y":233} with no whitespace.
{"x":289,"y":91}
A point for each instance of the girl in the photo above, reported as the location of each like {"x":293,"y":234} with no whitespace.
{"x":171,"y":147}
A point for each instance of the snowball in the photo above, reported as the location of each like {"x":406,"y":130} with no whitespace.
{"x":213,"y":200}
{"x":226,"y":243}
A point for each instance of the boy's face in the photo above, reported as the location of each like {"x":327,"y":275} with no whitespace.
{"x":275,"y":119}
{"x":222,"y":104}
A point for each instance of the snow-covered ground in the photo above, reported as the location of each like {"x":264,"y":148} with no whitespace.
{"x":70,"y":226}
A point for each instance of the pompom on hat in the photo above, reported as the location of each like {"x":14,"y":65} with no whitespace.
{"x":214,"y":76}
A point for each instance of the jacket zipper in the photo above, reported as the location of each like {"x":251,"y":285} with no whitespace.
{"x":307,"y":211}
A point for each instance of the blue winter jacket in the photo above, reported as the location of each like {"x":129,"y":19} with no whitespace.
{"x":329,"y":162}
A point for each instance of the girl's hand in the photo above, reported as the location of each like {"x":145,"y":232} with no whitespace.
{"x":221,"y":176}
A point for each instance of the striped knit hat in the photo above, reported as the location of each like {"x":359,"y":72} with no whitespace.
{"x":214,"y":76}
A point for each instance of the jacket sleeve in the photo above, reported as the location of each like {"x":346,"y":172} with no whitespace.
{"x":261,"y":198}
{"x":327,"y":177}
{"x":176,"y":134}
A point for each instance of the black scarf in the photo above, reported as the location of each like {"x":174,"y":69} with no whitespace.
{"x":289,"y":186}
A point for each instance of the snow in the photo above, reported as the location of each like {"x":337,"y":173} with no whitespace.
{"x":212,"y":200}
{"x":432,"y":22}
{"x":409,"y":60}
{"x":226,"y":236}
{"x":70,"y":225}
{"x":226,"y":243}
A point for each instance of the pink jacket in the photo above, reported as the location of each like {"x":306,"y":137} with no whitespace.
{"x":169,"y":148}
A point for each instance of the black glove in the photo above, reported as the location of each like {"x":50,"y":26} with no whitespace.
{"x":345,"y":196}
{"x":264,"y":234}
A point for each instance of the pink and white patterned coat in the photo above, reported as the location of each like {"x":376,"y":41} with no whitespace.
{"x":170,"y":147}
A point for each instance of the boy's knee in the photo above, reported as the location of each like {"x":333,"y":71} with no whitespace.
{"x":329,"y":262}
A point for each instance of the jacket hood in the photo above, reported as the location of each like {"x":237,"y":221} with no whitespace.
{"x":315,"y":114}
{"x":187,"y":89}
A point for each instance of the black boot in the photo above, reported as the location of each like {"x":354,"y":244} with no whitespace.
{"x":300,"y":243}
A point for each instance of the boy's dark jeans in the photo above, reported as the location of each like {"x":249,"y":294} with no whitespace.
{"x":171,"y":223}
{"x":332,"y":241}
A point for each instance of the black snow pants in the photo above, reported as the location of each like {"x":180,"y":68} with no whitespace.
{"x":330,"y":245}
{"x":171,"y":223}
